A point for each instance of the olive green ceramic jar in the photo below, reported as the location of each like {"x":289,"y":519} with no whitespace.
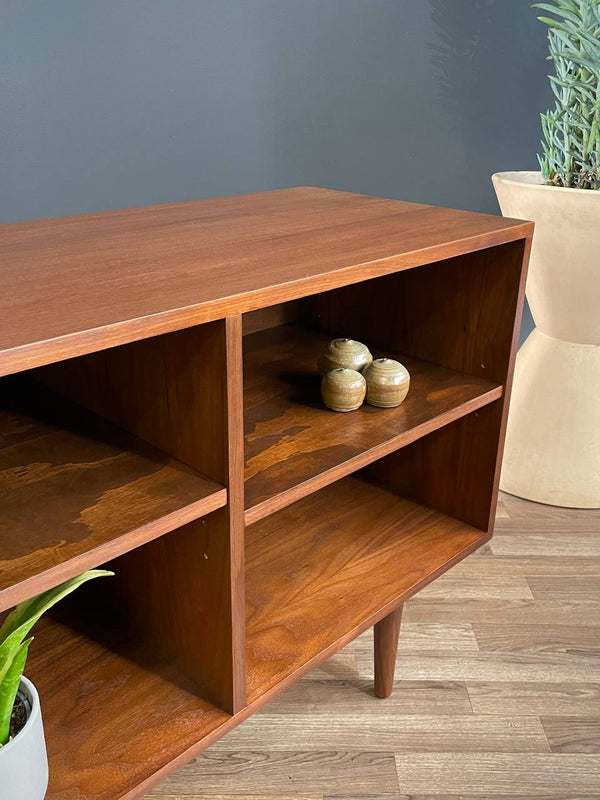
{"x":343,"y":389}
{"x":387,"y":382}
{"x":345,"y":353}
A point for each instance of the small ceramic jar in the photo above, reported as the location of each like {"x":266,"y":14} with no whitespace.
{"x":345,"y":353}
{"x":387,"y":382}
{"x":343,"y":389}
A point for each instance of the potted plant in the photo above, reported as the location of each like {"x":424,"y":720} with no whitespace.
{"x":552,"y":450}
{"x":23,"y":761}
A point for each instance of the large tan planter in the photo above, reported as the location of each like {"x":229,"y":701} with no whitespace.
{"x":552,"y":451}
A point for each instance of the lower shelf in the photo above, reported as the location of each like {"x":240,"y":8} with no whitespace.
{"x":326,"y":568}
{"x":112,"y":722}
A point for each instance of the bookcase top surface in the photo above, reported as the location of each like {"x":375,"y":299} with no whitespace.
{"x":73,"y":285}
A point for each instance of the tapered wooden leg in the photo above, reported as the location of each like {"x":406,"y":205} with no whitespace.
{"x":386,"y":646}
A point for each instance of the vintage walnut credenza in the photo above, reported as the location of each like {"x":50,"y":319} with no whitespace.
{"x":161,"y":414}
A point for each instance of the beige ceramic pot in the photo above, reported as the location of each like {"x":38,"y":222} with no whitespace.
{"x":552,"y":452}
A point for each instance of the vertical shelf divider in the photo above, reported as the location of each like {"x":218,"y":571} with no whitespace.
{"x":235,"y":506}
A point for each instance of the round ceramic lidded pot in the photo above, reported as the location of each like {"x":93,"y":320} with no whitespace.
{"x":343,"y":389}
{"x":23,"y":760}
{"x":345,"y":353}
{"x":387,"y":382}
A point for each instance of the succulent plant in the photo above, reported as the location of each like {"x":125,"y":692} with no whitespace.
{"x":571,"y":131}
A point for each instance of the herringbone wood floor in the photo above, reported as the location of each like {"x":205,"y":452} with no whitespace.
{"x":497,"y":689}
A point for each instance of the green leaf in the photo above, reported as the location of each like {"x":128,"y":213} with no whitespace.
{"x":563,"y":12}
{"x":582,"y":60}
{"x":553,"y":23}
{"x":20,"y":621}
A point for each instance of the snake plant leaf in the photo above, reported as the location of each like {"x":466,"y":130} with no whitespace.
{"x":11,"y":672}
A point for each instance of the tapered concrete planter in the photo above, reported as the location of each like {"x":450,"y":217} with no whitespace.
{"x":23,"y":761}
{"x":552,"y":451}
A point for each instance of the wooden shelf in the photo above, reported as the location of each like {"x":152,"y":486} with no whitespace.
{"x":294,"y":445}
{"x":77,"y":491}
{"x":113,"y":716}
{"x":331,"y":565}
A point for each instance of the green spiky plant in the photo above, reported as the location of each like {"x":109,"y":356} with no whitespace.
{"x":571,"y":131}
{"x":14,"y":644}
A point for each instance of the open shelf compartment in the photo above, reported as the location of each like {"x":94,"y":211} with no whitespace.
{"x":294,"y":445}
{"x":77,"y":491}
{"x":121,"y":458}
{"x":324,"y":569}
{"x":451,"y":323}
{"x":95,"y":458}
{"x":125,"y":693}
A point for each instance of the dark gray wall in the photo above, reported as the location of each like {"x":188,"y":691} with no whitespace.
{"x":112,"y":103}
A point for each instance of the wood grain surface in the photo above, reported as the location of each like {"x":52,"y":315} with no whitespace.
{"x":235,"y":636}
{"x":79,"y":284}
{"x":333,"y":564}
{"x":111,"y":710}
{"x":76,"y":491}
{"x":294,"y":445}
{"x":572,"y":734}
{"x":169,"y":390}
{"x":385,"y":647}
{"x":474,"y":737}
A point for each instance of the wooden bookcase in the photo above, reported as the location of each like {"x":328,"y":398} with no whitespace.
{"x":161,"y":414}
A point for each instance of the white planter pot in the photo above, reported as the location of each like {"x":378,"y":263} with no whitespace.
{"x":552,"y":452}
{"x":23,"y":761}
